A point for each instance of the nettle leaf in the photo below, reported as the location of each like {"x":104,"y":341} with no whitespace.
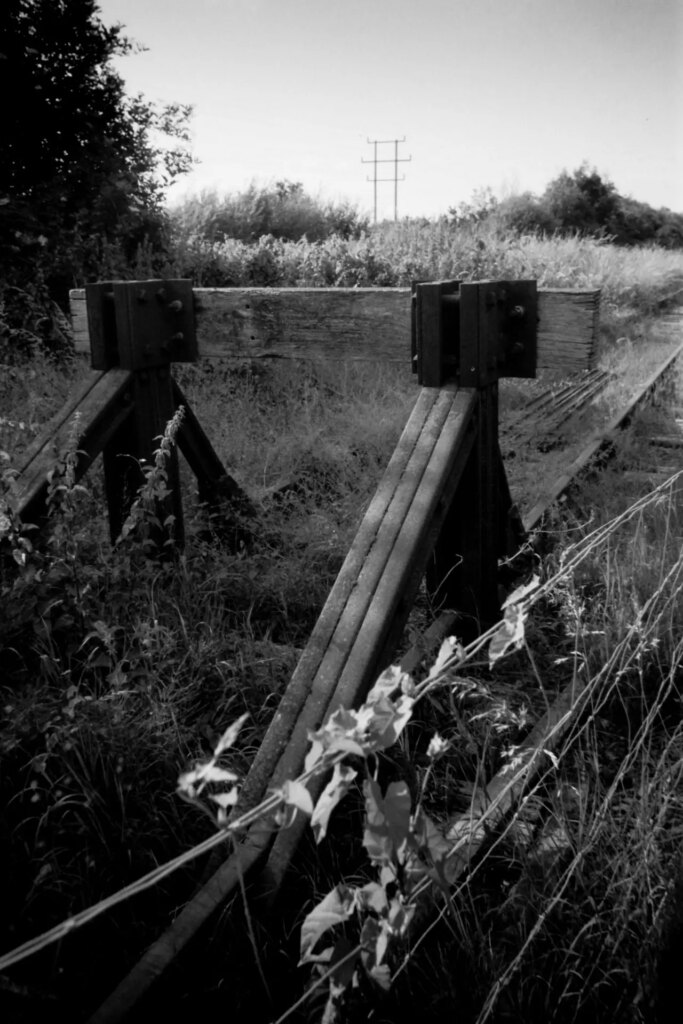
{"x":387,"y":820}
{"x":518,"y":595}
{"x":334,"y":791}
{"x":343,"y":732}
{"x":340,"y":721}
{"x":194,"y":781}
{"x":374,"y":943}
{"x":227,"y":799}
{"x":434,"y":848}
{"x":388,"y":721}
{"x":334,"y":909}
{"x":373,"y":897}
{"x":295,"y":794}
{"x":399,"y":916}
{"x":343,"y":975}
{"x":450,"y":648}
{"x":510,"y":633}
{"x":346,"y":745}
{"x":230,"y":735}
{"x":397,"y":811}
{"x":393,"y":678}
{"x":387,"y":875}
{"x":437,"y":746}
{"x":314,"y":754}
{"x":376,"y":834}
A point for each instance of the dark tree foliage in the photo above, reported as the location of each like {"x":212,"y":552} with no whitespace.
{"x":586,"y":202}
{"x":81,"y":172}
{"x":581,"y":201}
{"x":525,"y":214}
{"x":635,"y":223}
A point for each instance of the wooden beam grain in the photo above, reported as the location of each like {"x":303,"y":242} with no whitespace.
{"x":355,"y":324}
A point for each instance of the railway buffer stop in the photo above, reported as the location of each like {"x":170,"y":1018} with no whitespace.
{"x":442,"y":512}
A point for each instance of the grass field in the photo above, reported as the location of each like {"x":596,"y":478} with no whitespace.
{"x":118,"y":672}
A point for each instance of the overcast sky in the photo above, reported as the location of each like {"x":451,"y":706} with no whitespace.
{"x":499,"y":93}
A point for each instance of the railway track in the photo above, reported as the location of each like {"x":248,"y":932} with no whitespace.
{"x":552,"y":407}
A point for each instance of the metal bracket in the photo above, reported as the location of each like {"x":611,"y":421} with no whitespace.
{"x":498,"y":328}
{"x":435,"y":332}
{"x":473,"y":333}
{"x":141,"y":324}
{"x":155,"y":323}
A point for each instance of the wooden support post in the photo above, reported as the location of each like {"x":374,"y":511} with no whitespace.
{"x":463,"y":573}
{"x":230,"y":509}
{"x":141,"y":327}
{"x":465,"y":566}
{"x":496,"y":336}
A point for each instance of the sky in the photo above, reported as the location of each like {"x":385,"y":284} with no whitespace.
{"x":504,"y":94}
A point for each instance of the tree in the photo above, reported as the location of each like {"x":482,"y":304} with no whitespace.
{"x":525,"y":214}
{"x":480,"y":207}
{"x":581,"y":201}
{"x":80,"y":167}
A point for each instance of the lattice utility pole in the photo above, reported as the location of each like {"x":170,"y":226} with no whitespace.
{"x":393,"y":160}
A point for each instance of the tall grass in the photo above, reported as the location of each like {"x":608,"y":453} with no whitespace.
{"x":634,"y":281}
{"x":283,"y":210}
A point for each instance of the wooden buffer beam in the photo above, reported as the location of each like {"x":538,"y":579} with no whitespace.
{"x":357,"y":324}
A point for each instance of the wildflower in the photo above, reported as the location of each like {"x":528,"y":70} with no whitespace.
{"x":437,"y":746}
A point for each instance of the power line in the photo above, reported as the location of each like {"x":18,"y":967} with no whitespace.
{"x":395,"y":160}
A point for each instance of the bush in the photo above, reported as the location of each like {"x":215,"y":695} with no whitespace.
{"x":525,"y":214}
{"x":31,"y":322}
{"x":283,"y":210}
